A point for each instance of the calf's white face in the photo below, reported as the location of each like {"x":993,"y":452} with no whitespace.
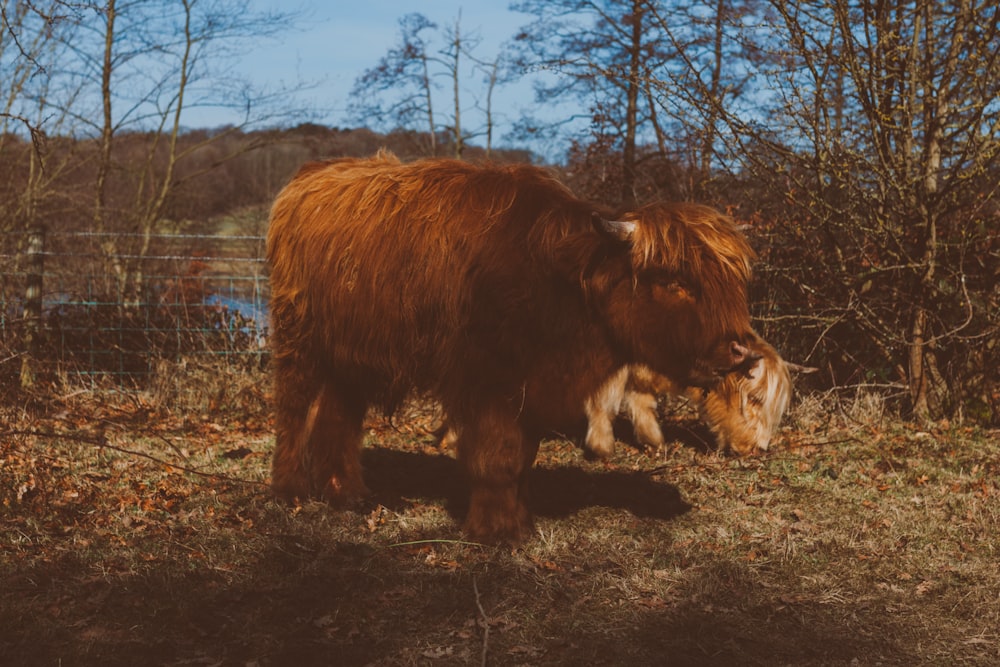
{"x":743,"y":410}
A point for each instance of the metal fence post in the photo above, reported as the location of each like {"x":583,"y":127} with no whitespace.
{"x":35,"y":256}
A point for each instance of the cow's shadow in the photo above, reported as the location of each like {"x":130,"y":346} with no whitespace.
{"x":395,"y":478}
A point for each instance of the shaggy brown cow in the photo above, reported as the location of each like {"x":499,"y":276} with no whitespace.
{"x":492,"y":288}
{"x":743,"y":410}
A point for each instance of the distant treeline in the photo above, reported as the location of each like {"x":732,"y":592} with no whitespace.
{"x":52,"y":181}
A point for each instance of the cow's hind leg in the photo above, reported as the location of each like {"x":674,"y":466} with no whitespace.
{"x":319,"y":430}
{"x":497,"y":455}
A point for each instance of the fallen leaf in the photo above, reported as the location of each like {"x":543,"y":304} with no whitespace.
{"x":438,"y":652}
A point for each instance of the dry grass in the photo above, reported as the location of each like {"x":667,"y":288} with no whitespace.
{"x":134,"y":531}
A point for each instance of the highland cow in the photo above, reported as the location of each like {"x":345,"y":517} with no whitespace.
{"x":743,"y":410}
{"x":495,"y":290}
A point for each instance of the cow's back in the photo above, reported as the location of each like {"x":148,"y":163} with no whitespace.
{"x":410,"y":267}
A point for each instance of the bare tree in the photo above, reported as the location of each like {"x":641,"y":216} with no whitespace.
{"x":603,"y":65}
{"x":402,"y":90}
{"x":713,"y":66}
{"x":603,"y":53}
{"x":493,"y":73}
{"x":398,"y":91}
{"x":153,"y":62}
{"x":451,"y":59}
{"x":32,"y":35}
{"x":110,"y":71}
{"x":880,"y":122}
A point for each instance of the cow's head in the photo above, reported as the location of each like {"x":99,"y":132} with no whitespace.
{"x":675,"y":293}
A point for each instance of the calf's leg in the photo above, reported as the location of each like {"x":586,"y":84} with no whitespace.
{"x":641,"y":410}
{"x":602,"y":408}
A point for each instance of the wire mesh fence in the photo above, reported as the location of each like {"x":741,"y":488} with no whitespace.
{"x":114,"y":305}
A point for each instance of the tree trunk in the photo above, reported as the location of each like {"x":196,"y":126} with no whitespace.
{"x":430,"y":106}
{"x":457,"y":45}
{"x":632,"y":105}
{"x":33,"y":306}
{"x":715,"y":93}
{"x":918,"y":376}
{"x":112,"y":257}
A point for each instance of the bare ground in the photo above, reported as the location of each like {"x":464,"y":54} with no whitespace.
{"x":133,"y":536}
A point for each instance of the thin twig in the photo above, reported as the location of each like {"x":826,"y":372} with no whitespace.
{"x":486,"y":622}
{"x":438,"y":541}
{"x":102,"y":443}
{"x":11,"y":357}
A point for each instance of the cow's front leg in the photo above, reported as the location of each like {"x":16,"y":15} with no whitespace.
{"x":497,"y":456}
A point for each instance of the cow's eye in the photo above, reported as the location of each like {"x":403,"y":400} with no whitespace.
{"x":674,"y":284}
{"x":666,"y":280}
{"x":671,"y":290}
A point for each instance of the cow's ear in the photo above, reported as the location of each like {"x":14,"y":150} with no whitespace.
{"x":620,"y":230}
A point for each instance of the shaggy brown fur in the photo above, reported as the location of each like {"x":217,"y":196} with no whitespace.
{"x":492,"y":288}
{"x":743,"y":410}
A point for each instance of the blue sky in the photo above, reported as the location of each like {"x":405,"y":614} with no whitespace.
{"x":335,"y":41}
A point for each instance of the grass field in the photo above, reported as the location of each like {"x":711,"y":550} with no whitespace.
{"x":137,"y":534}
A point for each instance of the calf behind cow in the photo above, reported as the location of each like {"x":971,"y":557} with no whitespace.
{"x":743,"y":411}
{"x":495,"y":290}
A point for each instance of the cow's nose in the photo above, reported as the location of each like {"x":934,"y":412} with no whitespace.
{"x":742,"y":357}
